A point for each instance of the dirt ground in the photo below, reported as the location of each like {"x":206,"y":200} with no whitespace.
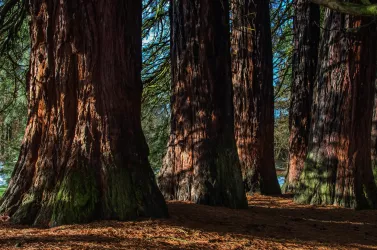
{"x":269,"y":223}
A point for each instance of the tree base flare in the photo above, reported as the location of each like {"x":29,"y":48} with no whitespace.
{"x":79,"y":198}
{"x":320,"y":186}
{"x":214,"y":183}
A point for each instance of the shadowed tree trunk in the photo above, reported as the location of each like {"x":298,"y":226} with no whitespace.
{"x":84,"y":156}
{"x":254,"y":94}
{"x":374,"y":135}
{"x":201,"y":164}
{"x":338,"y":166}
{"x":304,"y":65}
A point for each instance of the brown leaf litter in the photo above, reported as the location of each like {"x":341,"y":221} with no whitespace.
{"x":268,"y":223}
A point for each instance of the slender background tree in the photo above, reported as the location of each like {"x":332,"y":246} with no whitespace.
{"x":374,"y":135}
{"x":252,"y":69}
{"x":304,"y":66}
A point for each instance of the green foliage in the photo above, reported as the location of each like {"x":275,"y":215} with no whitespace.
{"x":13,"y":100}
{"x":282,"y":37}
{"x":156,"y":79}
{"x":12,"y":20}
{"x":364,"y":8}
{"x":281,"y":141}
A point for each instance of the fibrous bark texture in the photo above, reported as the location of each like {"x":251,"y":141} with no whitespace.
{"x":374,"y":135}
{"x":306,"y":24}
{"x":84,"y":156}
{"x":254,"y":94}
{"x":338,"y":167}
{"x":201,"y":164}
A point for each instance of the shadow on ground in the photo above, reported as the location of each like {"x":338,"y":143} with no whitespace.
{"x":268,"y":223}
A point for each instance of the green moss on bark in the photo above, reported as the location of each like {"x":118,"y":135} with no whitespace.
{"x":120,"y":201}
{"x":316,"y":186}
{"x":228,"y":168}
{"x":27,"y":210}
{"x":75,"y":200}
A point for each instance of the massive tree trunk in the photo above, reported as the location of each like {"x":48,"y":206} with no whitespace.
{"x":304,"y":65}
{"x":84,"y":156}
{"x":254,"y":94}
{"x":338,"y":167}
{"x":201,"y":164}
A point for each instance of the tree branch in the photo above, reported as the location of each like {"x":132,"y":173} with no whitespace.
{"x":365,"y":9}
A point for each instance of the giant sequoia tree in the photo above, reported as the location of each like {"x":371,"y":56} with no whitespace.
{"x":84,"y":155}
{"x":201,"y":164}
{"x":254,"y":94}
{"x":338,"y":167}
{"x":304,"y":66}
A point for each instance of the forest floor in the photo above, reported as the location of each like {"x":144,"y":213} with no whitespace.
{"x":268,"y":223}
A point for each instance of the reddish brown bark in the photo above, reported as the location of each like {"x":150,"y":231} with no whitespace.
{"x":304,"y":65}
{"x":201,"y":164}
{"x":84,"y":156}
{"x":338,"y":167}
{"x":254,"y":94}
